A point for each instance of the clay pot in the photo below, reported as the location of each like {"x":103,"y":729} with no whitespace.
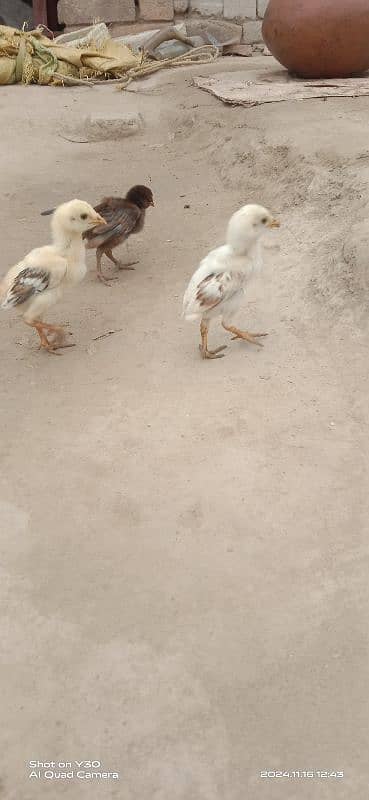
{"x":319,"y":38}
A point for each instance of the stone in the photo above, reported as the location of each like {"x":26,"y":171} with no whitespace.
{"x":181,"y":6}
{"x":238,"y":50}
{"x":137,"y":41}
{"x":156,"y":9}
{"x":117,"y":29}
{"x":252,"y":32}
{"x":207,"y":8}
{"x":262,"y":6}
{"x":224,"y":32}
{"x":75,"y":12}
{"x":234,"y":9}
{"x":99,"y":126}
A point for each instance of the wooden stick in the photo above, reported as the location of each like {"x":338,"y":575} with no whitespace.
{"x":108,"y":333}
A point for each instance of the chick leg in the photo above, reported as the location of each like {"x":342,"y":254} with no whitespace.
{"x":119,"y":264}
{"x":203,"y":347}
{"x":59,"y":336}
{"x":101,"y":277}
{"x":246,"y":335}
{"x":44,"y":342}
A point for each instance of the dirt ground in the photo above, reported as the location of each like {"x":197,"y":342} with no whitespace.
{"x":184,"y":546}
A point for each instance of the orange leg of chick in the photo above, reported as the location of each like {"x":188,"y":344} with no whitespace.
{"x":119,"y":264}
{"x":246,"y":335}
{"x":59,"y":338}
{"x":203,"y":347}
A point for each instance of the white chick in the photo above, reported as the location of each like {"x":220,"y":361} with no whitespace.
{"x":217,"y":286}
{"x":37,"y":282}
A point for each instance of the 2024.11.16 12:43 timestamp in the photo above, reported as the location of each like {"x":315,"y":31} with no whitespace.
{"x":304,"y":773}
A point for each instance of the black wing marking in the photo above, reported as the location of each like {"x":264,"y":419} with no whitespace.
{"x":28,"y":282}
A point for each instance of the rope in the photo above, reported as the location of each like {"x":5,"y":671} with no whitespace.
{"x":198,"y":55}
{"x":68,"y":80}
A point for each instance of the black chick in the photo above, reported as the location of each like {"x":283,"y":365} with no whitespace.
{"x":124,"y":216}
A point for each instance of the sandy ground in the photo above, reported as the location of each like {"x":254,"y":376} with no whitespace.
{"x":184,"y":547}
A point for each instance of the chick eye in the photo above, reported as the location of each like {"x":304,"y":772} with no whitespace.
{"x":264,"y":220}
{"x":83,"y":216}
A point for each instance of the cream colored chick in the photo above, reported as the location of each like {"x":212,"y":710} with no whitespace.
{"x":38,"y":281}
{"x":216,"y":288}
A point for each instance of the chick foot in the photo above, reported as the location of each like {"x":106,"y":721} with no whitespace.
{"x":119,"y":264}
{"x":106,"y":281}
{"x":101,"y":277}
{"x":247,"y":336}
{"x":57,"y":340}
{"x":59,"y":337}
{"x":126,"y":266}
{"x":205,"y":353}
{"x":203,"y":347}
{"x":54,"y":348}
{"x":60,"y":345}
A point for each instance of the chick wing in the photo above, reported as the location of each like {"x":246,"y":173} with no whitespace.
{"x":215,"y":288}
{"x":120,"y":216}
{"x":28,"y":282}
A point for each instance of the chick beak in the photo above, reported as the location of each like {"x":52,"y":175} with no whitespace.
{"x":274,"y":224}
{"x":152,"y":203}
{"x":97,"y":220}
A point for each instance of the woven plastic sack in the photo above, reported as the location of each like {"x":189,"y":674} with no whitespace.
{"x":30,"y":57}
